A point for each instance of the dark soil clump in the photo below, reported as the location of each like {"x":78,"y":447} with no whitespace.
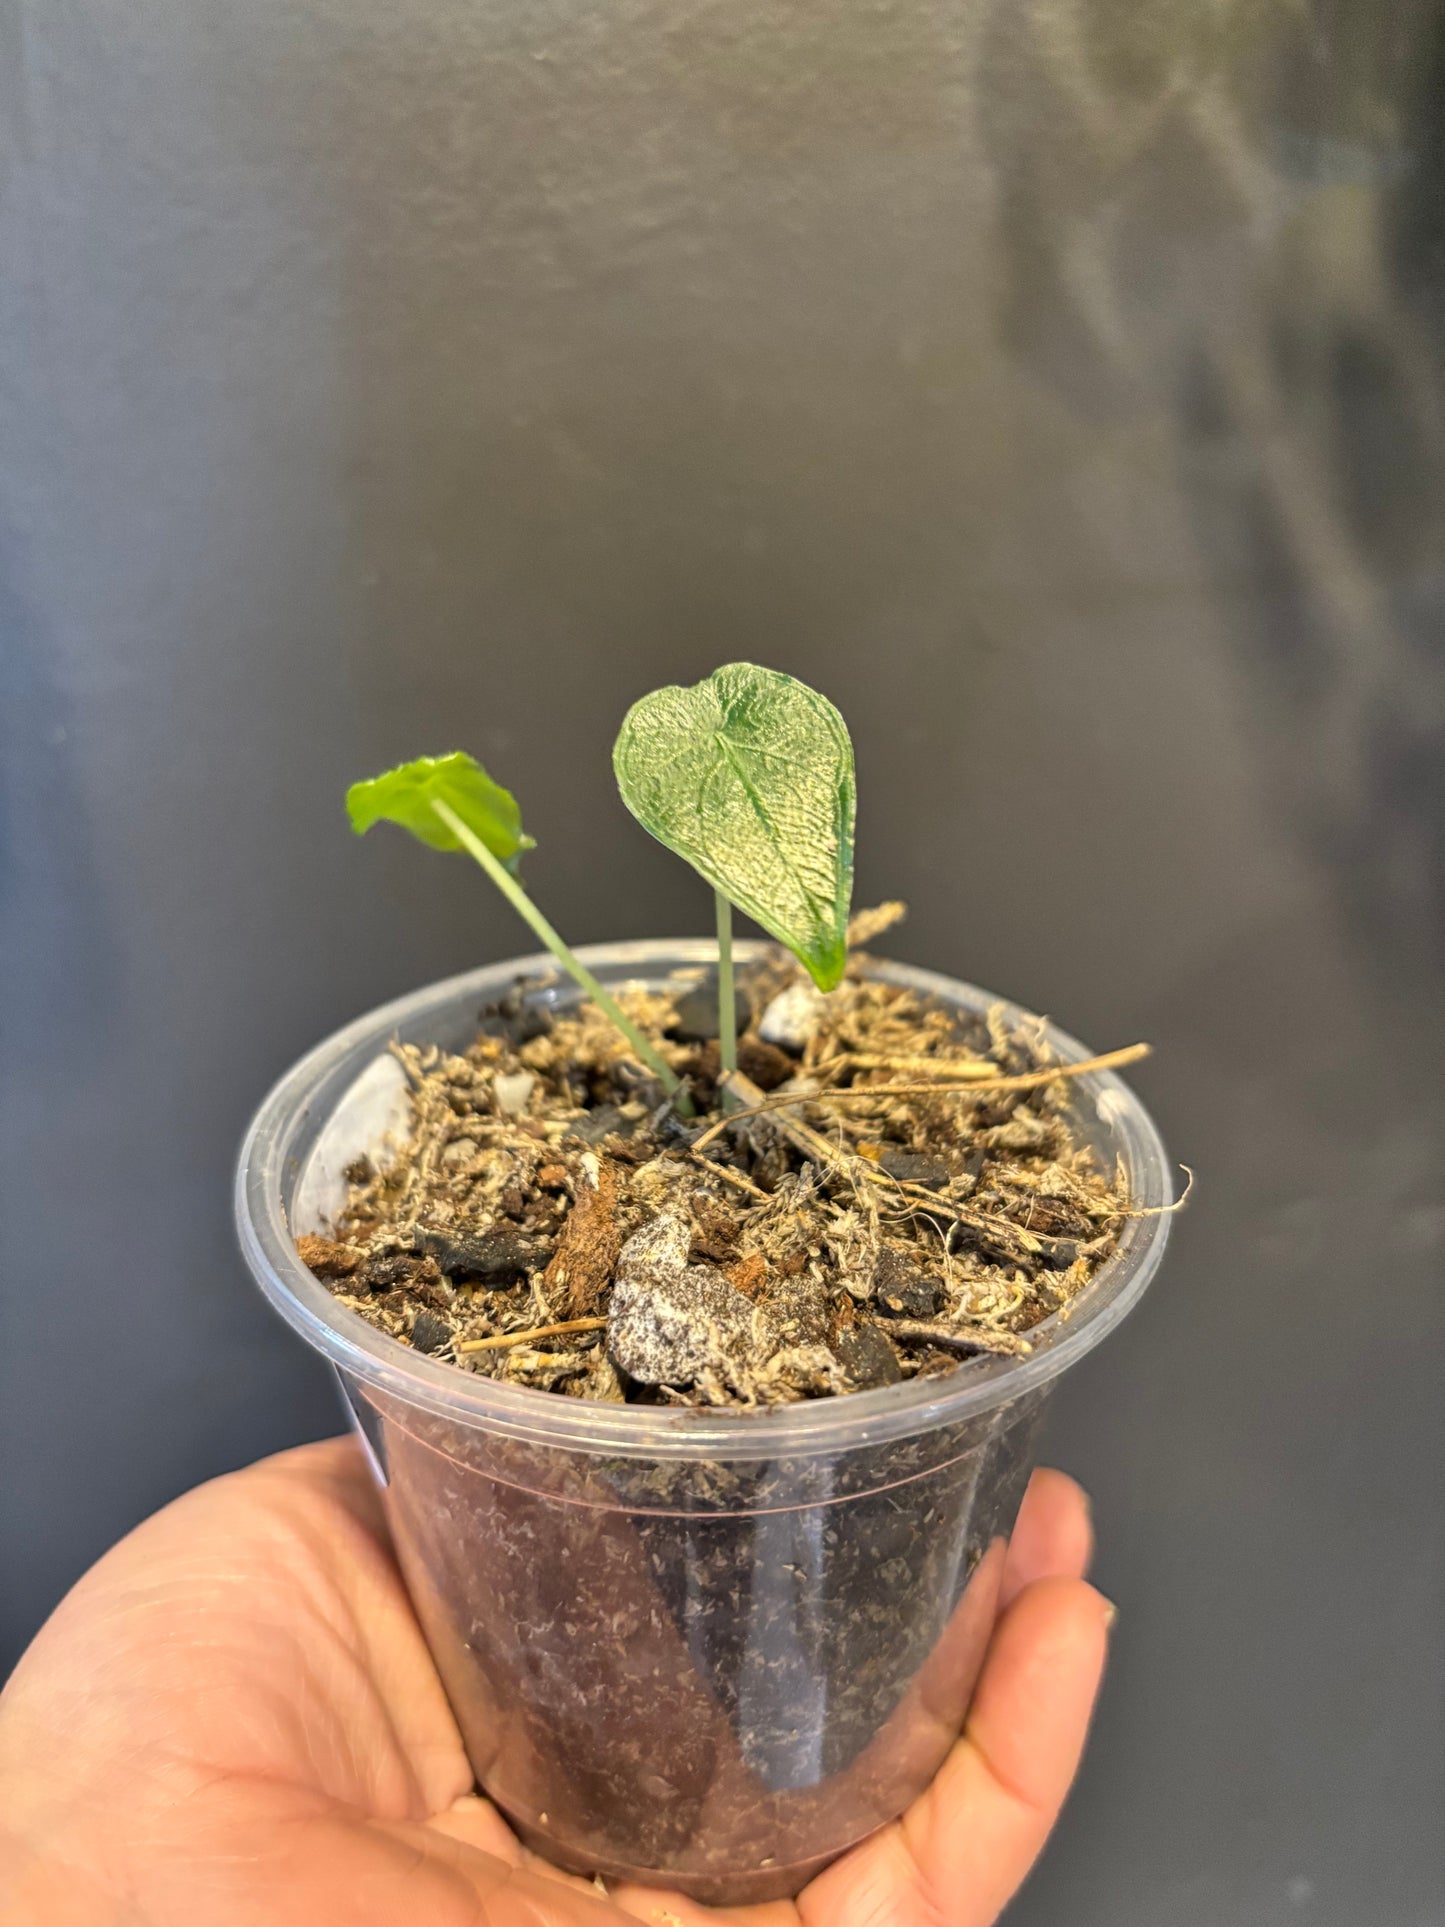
{"x":554,"y":1221}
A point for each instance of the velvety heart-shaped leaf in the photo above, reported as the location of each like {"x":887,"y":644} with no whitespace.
{"x":405,"y":796}
{"x":749,"y":776}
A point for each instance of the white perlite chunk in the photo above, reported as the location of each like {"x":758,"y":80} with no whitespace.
{"x":513,"y":1089}
{"x":672,"y":1323}
{"x":793,"y":1016}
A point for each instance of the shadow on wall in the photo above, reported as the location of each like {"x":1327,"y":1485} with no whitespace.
{"x":1234,"y":225}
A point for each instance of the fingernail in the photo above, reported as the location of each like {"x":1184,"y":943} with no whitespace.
{"x":1111,"y":1615}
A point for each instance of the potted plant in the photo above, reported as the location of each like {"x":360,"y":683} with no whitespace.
{"x":698,"y":1303}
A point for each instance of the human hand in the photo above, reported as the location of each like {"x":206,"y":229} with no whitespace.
{"x":233,"y":1721}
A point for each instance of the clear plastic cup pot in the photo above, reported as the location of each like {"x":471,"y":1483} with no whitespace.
{"x":706,"y":1649}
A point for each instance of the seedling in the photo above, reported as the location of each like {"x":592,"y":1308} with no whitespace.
{"x":450,"y":803}
{"x":749,"y":777}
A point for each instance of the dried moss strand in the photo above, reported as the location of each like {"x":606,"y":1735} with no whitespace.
{"x":956,"y":1338}
{"x":973,"y":1068}
{"x":503,"y":1339}
{"x":804,"y":1139}
{"x":866,"y":925}
{"x":1029,"y":1081}
{"x":919,"y":1198}
{"x":729,"y":1176}
{"x":1161,"y":1210}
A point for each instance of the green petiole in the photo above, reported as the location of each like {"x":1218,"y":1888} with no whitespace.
{"x":727,"y":1009}
{"x":580,"y":974}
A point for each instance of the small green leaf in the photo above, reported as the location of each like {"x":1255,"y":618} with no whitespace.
{"x":749,"y":776}
{"x":405,"y":796}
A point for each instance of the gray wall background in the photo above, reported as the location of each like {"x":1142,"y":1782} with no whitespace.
{"x":1059,"y":384}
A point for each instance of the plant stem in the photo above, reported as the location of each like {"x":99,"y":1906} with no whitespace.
{"x":727,"y":1009}
{"x":526,"y":909}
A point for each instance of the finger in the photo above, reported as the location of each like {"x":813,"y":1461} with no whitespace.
{"x":1030,"y":1714}
{"x":963,"y":1848}
{"x":1054,"y":1535}
{"x":981,"y":1825}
